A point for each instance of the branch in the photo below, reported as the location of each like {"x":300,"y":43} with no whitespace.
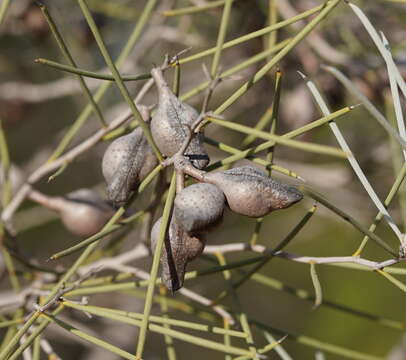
{"x":373,"y":265}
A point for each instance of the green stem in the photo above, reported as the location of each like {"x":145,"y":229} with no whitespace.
{"x":159,"y":319}
{"x":90,"y":74}
{"x":234,"y":69}
{"x":3,"y":9}
{"x":271,"y":151}
{"x":393,"y":191}
{"x":253,"y":35}
{"x":311,"y":147}
{"x":260,"y":125}
{"x":397,"y":155}
{"x":101,"y":234}
{"x":7,"y":323}
{"x":221,"y":36}
{"x":273,"y":19}
{"x":155,"y":266}
{"x":170,"y":348}
{"x":114,"y":10}
{"x":6,"y":188}
{"x":176,"y":79}
{"x":194,"y":9}
{"x":89,"y":338}
{"x":6,"y":197}
{"x":249,"y":339}
{"x":61,"y":283}
{"x":227,"y":339}
{"x":143,"y":283}
{"x":241,"y":154}
{"x":105,"y":231}
{"x":327,"y":8}
{"x":162,"y":330}
{"x":79,"y":122}
{"x":318,"y":298}
{"x":120,"y":84}
{"x":36,"y":349}
{"x":275,"y":113}
{"x":34,"y":335}
{"x":392,"y":279}
{"x":16,"y":338}
{"x":11,"y":269}
{"x":348,"y":218}
{"x":269,"y":256}
{"x":67,"y":55}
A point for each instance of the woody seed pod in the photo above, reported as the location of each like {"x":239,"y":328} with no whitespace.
{"x":252,"y":193}
{"x":82,"y":212}
{"x":171,"y":122}
{"x":179,"y":248}
{"x":199,"y":207}
{"x":126,"y":162}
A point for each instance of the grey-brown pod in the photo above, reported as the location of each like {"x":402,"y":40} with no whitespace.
{"x":252,"y":193}
{"x":126,"y":162}
{"x":199,"y":207}
{"x":179,"y":248}
{"x":170,"y":124}
{"x":83,"y":212}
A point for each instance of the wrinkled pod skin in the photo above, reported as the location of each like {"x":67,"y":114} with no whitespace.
{"x":252,"y":193}
{"x":199,"y":207}
{"x":83,"y":212}
{"x":179,"y":248}
{"x":170,"y":123}
{"x":126,"y":162}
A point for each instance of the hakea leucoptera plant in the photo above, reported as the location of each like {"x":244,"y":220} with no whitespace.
{"x":199,"y":207}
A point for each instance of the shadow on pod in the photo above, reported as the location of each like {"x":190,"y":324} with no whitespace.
{"x":179,"y":248}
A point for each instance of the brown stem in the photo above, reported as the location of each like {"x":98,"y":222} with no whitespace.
{"x":180,"y":181}
{"x":161,"y":84}
{"x":53,"y":203}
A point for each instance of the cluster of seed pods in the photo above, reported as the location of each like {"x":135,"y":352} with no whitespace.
{"x":199,"y":207}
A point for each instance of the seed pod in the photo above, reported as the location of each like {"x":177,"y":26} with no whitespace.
{"x":199,"y":207}
{"x":171,"y":122}
{"x":252,"y":193}
{"x":179,"y":248}
{"x":84,"y":213}
{"x":126,"y":162}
